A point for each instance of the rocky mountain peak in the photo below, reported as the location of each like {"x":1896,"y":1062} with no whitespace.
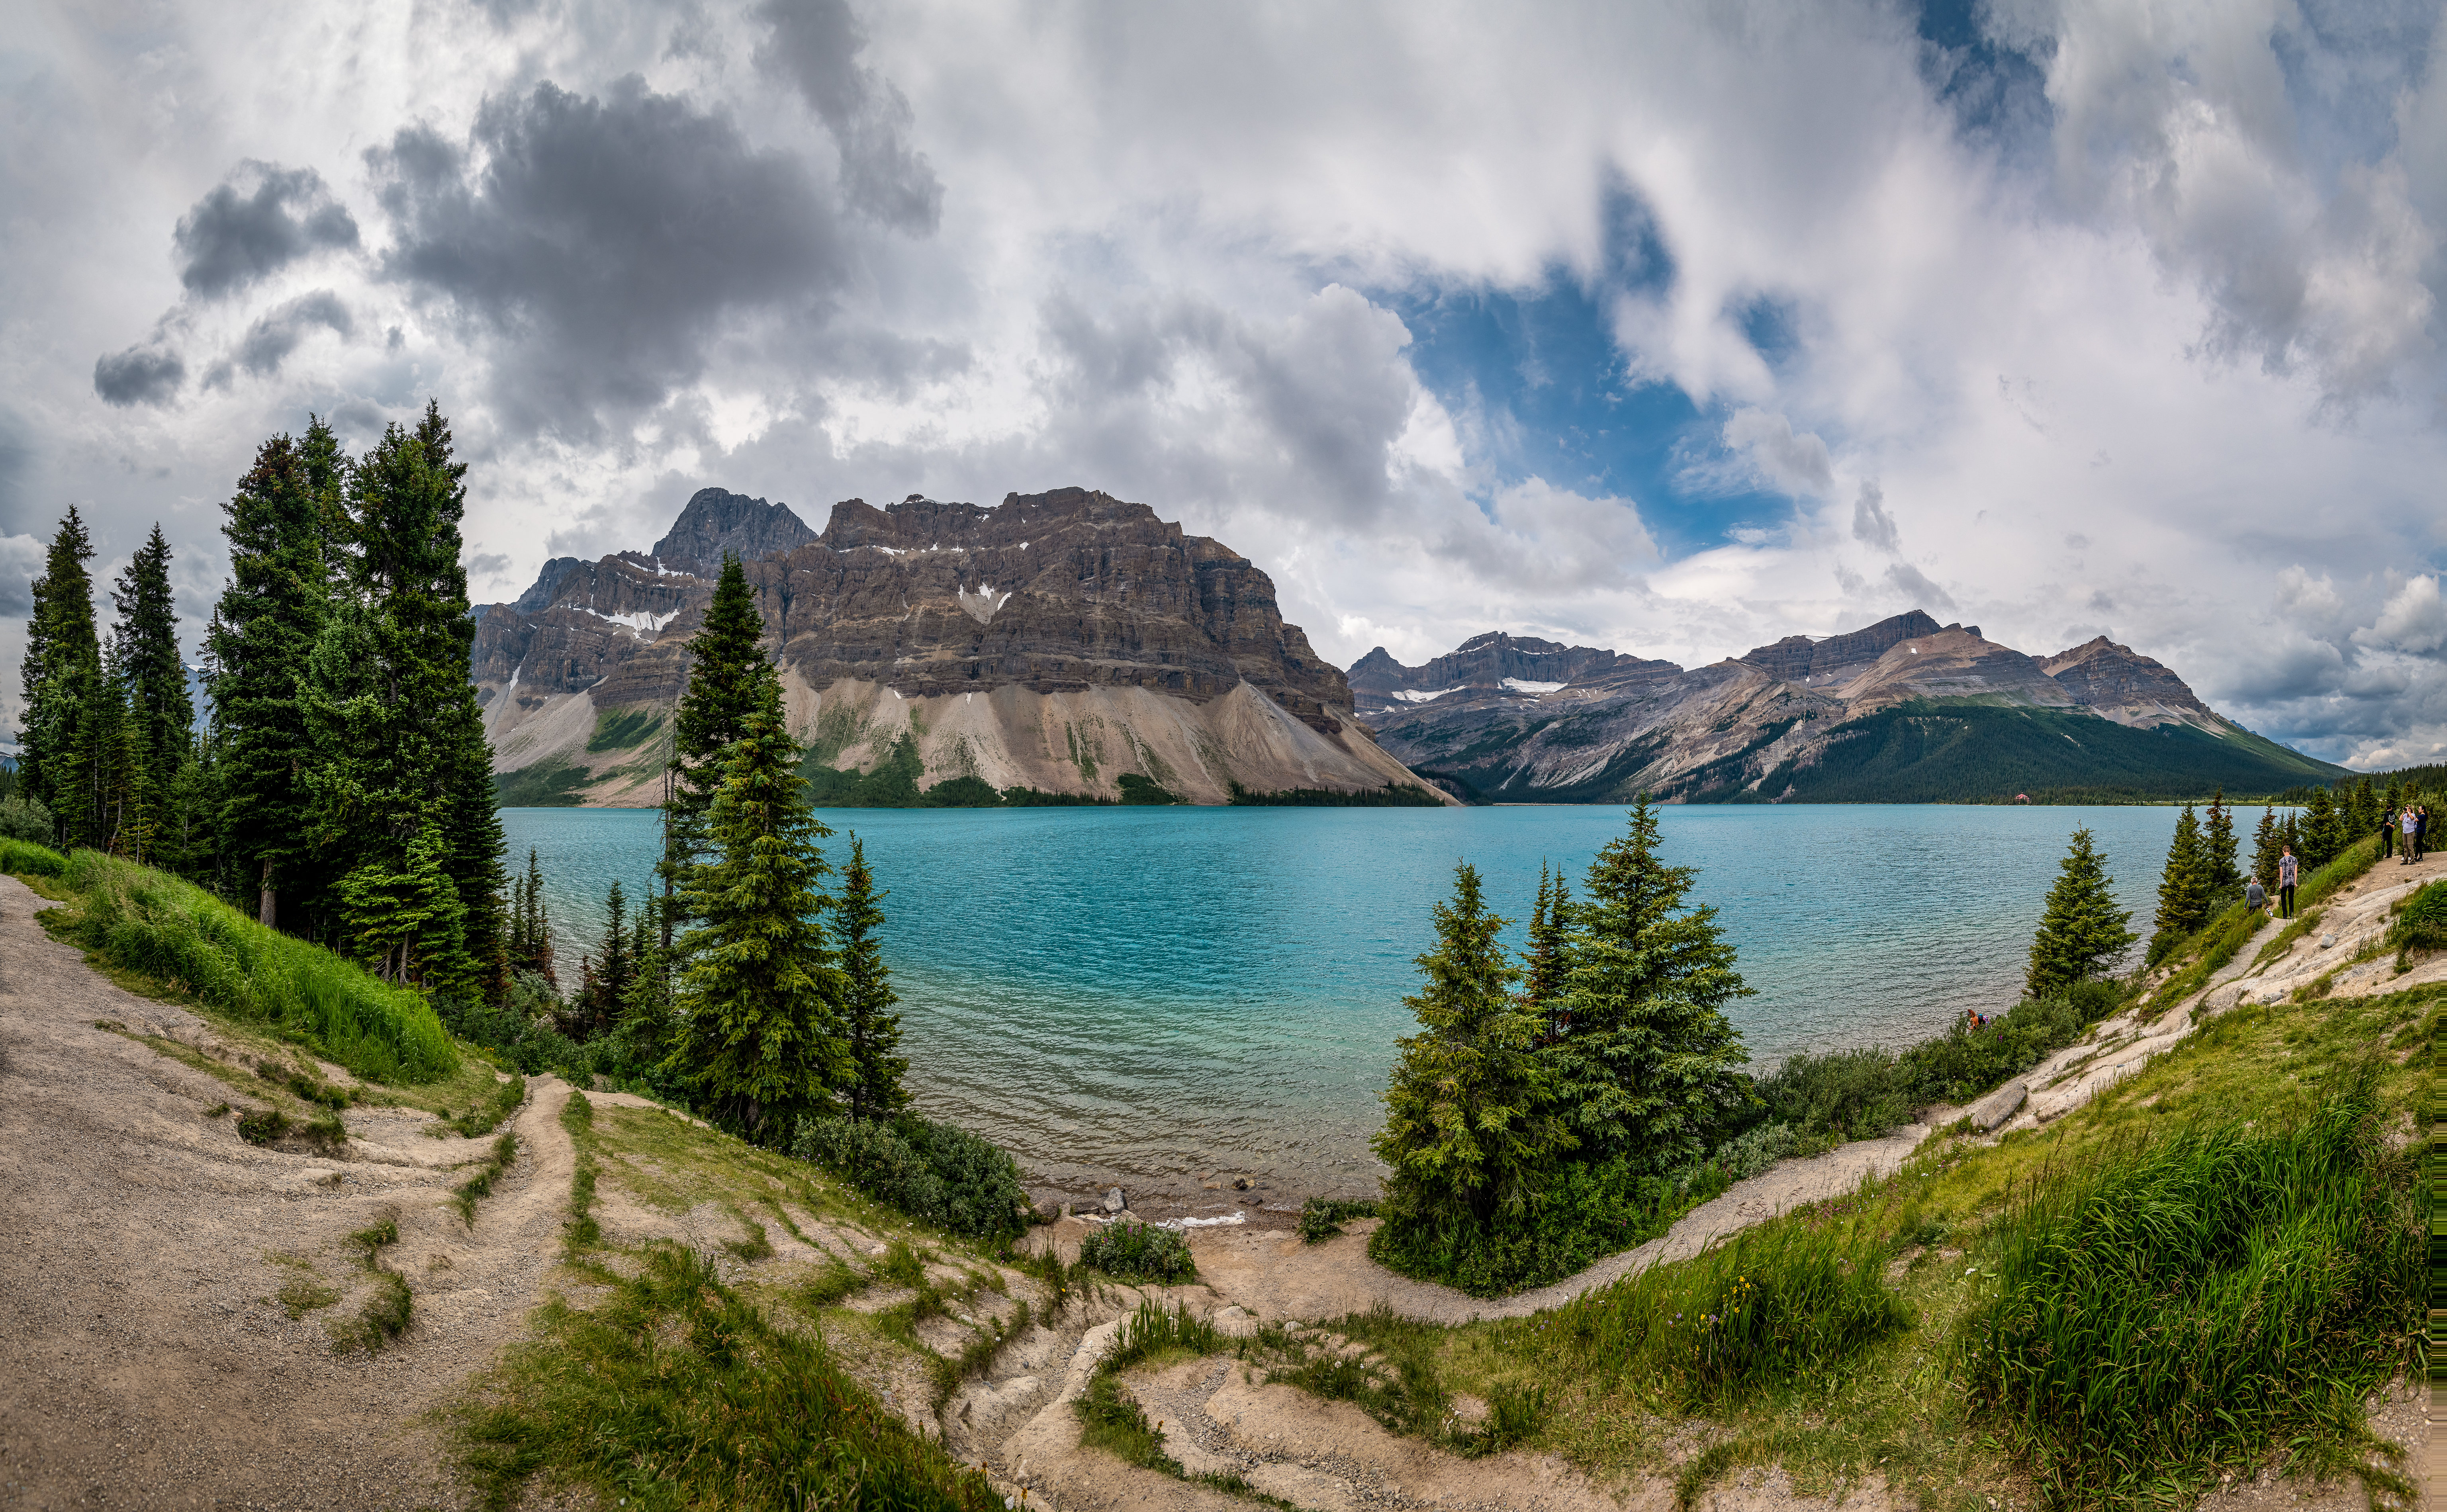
{"x":716,"y":522}
{"x":2105,"y":676}
{"x":1801,"y":659}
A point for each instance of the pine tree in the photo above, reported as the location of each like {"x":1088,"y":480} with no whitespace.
{"x":607,"y":974}
{"x":2183,"y":887}
{"x":2082,"y":932}
{"x":2361,"y":812}
{"x":1543,"y":976}
{"x":759,"y":1042}
{"x":872,"y":1029}
{"x":263,"y":628}
{"x":1470,"y":1127}
{"x":187,"y":841}
{"x":530,"y":944}
{"x":62,"y":654}
{"x":2319,"y":831}
{"x":398,"y":737}
{"x":2217,"y":843}
{"x":2265,"y":842}
{"x":144,"y":647}
{"x":405,"y":921}
{"x":726,"y":667}
{"x":1650,"y":1065}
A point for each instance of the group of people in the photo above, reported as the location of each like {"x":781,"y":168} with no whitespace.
{"x":2402,"y":832}
{"x":2412,"y":822}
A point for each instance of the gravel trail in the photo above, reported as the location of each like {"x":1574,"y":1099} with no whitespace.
{"x":145,"y":1359}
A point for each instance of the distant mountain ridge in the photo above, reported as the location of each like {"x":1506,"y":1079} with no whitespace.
{"x":1903,"y":710}
{"x":1059,"y":641}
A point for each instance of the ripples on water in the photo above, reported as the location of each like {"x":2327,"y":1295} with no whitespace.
{"x":1152,"y":994}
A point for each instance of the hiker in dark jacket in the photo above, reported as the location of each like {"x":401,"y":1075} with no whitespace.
{"x":2386,"y":834}
{"x":2287,"y":866}
{"x":2255,"y":897}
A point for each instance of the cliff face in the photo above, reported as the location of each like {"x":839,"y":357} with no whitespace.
{"x":1901,"y":710}
{"x":1056,"y":641}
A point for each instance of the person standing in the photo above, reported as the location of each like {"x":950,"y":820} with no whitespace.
{"x":2386,"y":833}
{"x":2255,"y":897}
{"x":2285,"y":869}
{"x":2405,"y":821}
{"x":2421,"y":833}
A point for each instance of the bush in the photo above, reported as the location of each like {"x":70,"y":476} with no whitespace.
{"x":189,"y":940}
{"x":1579,"y":1214}
{"x":26,"y":819}
{"x":24,"y":857}
{"x":2422,"y":923}
{"x":2190,"y":1300}
{"x":1851,"y":1094}
{"x":1321,"y":1216}
{"x":936,"y":1172}
{"x":1782,"y":1302}
{"x":263,"y":1125}
{"x":1139,"y":1251}
{"x":522,"y":1028}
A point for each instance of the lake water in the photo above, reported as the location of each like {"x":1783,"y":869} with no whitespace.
{"x":1148,"y":995}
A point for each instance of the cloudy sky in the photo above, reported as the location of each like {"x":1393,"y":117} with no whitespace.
{"x":1669,"y":328}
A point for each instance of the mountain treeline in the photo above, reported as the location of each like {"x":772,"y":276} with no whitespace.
{"x":340,"y":785}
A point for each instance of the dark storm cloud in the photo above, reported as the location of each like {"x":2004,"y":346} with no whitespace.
{"x":262,"y":218}
{"x":140,"y":375}
{"x":271,"y":339}
{"x":815,"y":45}
{"x":606,"y":241}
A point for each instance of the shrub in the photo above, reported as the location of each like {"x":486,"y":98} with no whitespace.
{"x":937,"y":1173}
{"x":1321,"y":1216}
{"x":184,"y":937}
{"x":1153,"y":1329}
{"x":26,"y":819}
{"x":1777,"y":1303}
{"x":1852,"y":1094}
{"x":1139,"y":1251}
{"x":2191,"y":1298}
{"x":263,"y":1125}
{"x":2421,"y":924}
{"x":1578,"y":1214}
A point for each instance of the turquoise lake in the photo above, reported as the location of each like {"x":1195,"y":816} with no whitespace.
{"x":1148,"y":995}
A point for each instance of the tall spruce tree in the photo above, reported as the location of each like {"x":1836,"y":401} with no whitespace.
{"x":531,"y":924}
{"x":399,"y":739}
{"x":760,"y":1039}
{"x":62,"y":659}
{"x":404,"y":922}
{"x":609,"y":972}
{"x":144,"y":647}
{"x":263,"y":628}
{"x":726,"y":668}
{"x":2218,"y":848}
{"x":1649,"y":1065}
{"x":1541,"y":989}
{"x":1471,"y":1127}
{"x":2321,"y":835}
{"x":2082,"y":931}
{"x":870,"y":1025}
{"x":2265,"y":842}
{"x":2183,"y":887}
{"x":2361,"y":812}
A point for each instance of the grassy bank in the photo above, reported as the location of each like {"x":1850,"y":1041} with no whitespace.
{"x":2206,"y":1268}
{"x":185,"y":944}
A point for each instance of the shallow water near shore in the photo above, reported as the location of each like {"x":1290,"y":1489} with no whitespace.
{"x":1152,"y":995}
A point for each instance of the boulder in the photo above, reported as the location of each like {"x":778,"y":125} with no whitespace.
{"x":1999,"y":1105}
{"x":1116,"y":1202}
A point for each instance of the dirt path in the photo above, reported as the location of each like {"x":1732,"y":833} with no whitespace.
{"x":144,"y":1358}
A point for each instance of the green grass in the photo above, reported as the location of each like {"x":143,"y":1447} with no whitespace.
{"x":467,"y":1192}
{"x":1772,"y":1305}
{"x":2170,"y":1308}
{"x":552,"y":783}
{"x":675,"y":1392}
{"x":1321,"y":1218}
{"x":582,"y":1232}
{"x":486,"y":1115}
{"x":1139,"y":1251}
{"x":622,"y":729}
{"x":23,"y":857}
{"x":181,"y":937}
{"x":388,"y":1310}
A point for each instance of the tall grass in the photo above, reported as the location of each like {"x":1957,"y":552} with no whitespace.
{"x":23,"y":857}
{"x":1772,"y":1304}
{"x":180,"y":934}
{"x":675,"y":1392}
{"x":2185,"y":1301}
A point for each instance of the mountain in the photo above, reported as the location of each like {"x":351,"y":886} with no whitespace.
{"x":1905,"y":711}
{"x":1061,"y":641}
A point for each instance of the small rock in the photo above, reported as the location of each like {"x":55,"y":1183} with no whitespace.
{"x":2327,"y":941}
{"x":1116,"y":1202}
{"x":1240,"y":1183}
{"x":1999,"y":1105}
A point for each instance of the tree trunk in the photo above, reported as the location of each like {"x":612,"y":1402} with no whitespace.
{"x":267,"y":907}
